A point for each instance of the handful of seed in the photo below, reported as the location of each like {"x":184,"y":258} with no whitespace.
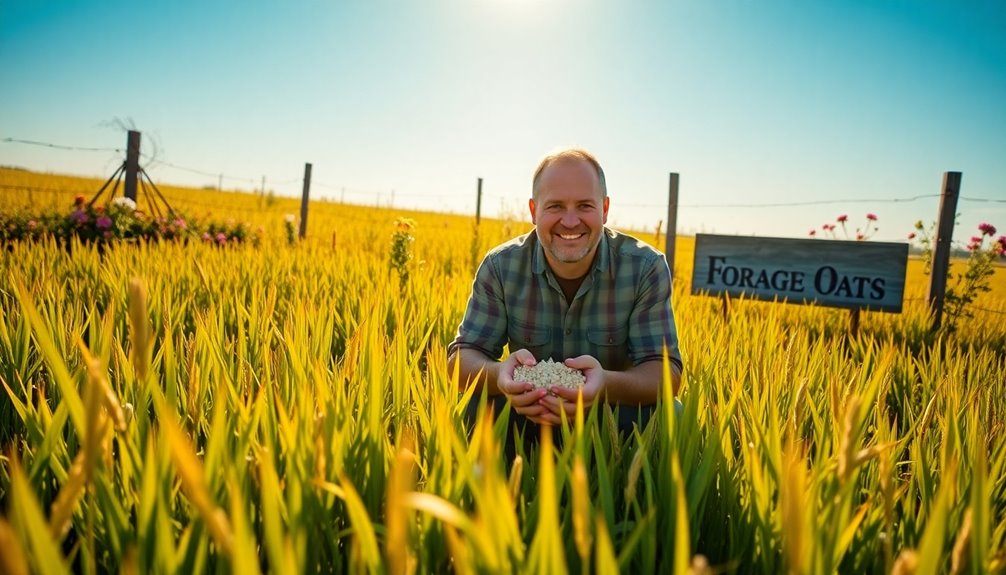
{"x":547,"y":373}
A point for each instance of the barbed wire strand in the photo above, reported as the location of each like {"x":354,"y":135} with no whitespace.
{"x":60,"y":146}
{"x":223,"y":176}
{"x":344,"y":191}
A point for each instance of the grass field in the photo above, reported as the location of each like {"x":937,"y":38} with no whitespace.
{"x":186,"y":408}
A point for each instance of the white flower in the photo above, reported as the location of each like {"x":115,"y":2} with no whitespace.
{"x":290,"y":218}
{"x":124,"y":203}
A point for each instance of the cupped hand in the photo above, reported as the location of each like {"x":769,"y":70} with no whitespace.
{"x":524,"y":397}
{"x":564,"y":398}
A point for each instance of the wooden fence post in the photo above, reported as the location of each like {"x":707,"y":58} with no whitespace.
{"x":304,"y":199}
{"x":672,"y":222}
{"x":941,"y":246}
{"x":478,"y":204}
{"x":132,"y":163}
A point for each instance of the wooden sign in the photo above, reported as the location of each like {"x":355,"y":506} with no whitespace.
{"x":847,"y":274}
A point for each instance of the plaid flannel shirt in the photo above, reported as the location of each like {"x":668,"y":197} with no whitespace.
{"x":621,"y":314}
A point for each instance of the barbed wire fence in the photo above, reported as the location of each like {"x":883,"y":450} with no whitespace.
{"x":388,"y":198}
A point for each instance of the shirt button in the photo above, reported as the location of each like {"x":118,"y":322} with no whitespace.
{"x":569,"y":331}
{"x":611,"y":340}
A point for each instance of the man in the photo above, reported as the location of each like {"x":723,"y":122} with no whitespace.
{"x":573,"y":291}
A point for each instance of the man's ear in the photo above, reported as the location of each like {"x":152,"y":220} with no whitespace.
{"x":530,"y":207}
{"x":604,"y":220}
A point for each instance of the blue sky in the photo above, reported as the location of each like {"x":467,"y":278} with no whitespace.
{"x":774,"y":101}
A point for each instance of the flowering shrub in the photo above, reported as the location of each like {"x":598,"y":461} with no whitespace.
{"x":230,"y":233}
{"x":983,"y":251}
{"x":862,"y":233}
{"x":118,"y":220}
{"x":401,"y":249}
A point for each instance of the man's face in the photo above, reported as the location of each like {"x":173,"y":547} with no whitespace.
{"x":569,"y":215}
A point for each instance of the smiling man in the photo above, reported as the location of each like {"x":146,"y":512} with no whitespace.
{"x":573,"y":291}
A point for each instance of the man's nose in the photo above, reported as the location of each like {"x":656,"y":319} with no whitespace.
{"x":570,"y":219}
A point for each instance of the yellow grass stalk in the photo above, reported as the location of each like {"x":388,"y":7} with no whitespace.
{"x":190,"y":471}
{"x":605,"y":561}
{"x":886,"y":476}
{"x":320,"y":450}
{"x":53,"y":358}
{"x":96,"y":398}
{"x":244,"y":555}
{"x":635,"y":468}
{"x":277,"y":546}
{"x":793,"y":503}
{"x":460,"y":559}
{"x":96,"y":377}
{"x":366,"y":556}
{"x":28,"y":522}
{"x":847,"y":448}
{"x":682,"y":536}
{"x":516,"y":476}
{"x":546,"y":552}
{"x":495,"y":504}
{"x":69,"y":494}
{"x":931,"y":546}
{"x":868,"y":453}
{"x":194,"y":392}
{"x":798,"y":401}
{"x":129,"y":562}
{"x":397,"y":516}
{"x":907,"y":563}
{"x":927,"y":415}
{"x":139,"y":328}
{"x":12,"y":560}
{"x":581,"y":509}
{"x":959,"y":557}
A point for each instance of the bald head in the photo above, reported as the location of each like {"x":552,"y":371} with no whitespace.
{"x":569,"y":155}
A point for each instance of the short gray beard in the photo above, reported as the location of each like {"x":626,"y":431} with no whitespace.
{"x":566,"y":260}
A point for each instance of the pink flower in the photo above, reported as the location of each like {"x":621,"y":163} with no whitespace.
{"x":987,"y":229}
{"x":911,"y":236}
{"x":221,"y":238}
{"x":79,"y":217}
{"x":842,"y":218}
{"x":179,"y":223}
{"x":813,"y":233}
{"x":206,"y":237}
{"x":972,"y":247}
{"x":103,"y":222}
{"x":872,"y":217}
{"x":32,"y":224}
{"x":976,"y":239}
